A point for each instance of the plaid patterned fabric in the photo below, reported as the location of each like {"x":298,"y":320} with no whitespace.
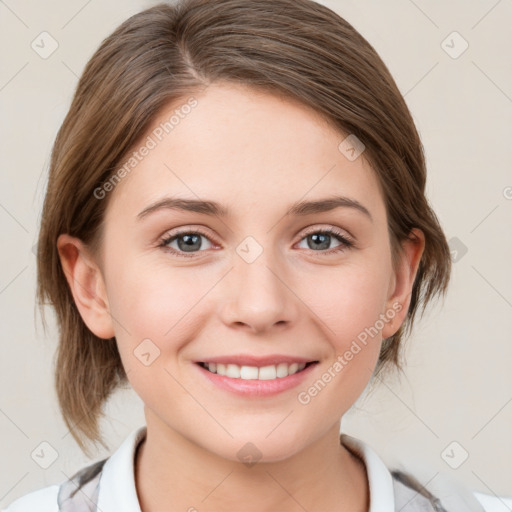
{"x":80,"y":493}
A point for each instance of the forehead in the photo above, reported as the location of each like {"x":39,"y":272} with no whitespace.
{"x":244,"y":147}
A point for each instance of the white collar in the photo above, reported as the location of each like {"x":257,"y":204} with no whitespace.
{"x":380,"y":481}
{"x":117,"y":492}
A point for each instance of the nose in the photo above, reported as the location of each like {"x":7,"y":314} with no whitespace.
{"x":259,"y":297}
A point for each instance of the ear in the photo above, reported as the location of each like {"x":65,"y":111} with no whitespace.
{"x":402,"y":281}
{"x":87,"y":285}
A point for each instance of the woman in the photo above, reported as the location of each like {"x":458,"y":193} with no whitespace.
{"x":236,"y":225}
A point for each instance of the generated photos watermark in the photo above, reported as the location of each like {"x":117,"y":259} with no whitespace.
{"x":305,"y":397}
{"x":152,"y":141}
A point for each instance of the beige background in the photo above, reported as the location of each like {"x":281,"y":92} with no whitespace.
{"x":458,"y":384}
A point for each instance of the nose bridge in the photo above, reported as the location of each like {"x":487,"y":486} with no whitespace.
{"x":258,"y":295}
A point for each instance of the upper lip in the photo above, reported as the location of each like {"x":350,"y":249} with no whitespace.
{"x":248,"y":360}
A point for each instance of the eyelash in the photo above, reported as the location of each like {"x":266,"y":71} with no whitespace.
{"x":345,"y":242}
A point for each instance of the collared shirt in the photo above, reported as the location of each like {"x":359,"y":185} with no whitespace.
{"x":116,"y":491}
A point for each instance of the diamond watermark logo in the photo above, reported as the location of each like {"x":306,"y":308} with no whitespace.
{"x":249,"y":454}
{"x":454,"y":45}
{"x":44,"y":45}
{"x":457,"y":249}
{"x":454,"y":455}
{"x":351,"y":147}
{"x":249,"y":249}
{"x":146,"y":352}
{"x":44,"y":455}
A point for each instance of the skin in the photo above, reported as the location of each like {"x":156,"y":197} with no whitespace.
{"x":236,"y":148}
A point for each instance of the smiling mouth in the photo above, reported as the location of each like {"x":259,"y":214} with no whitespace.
{"x":269,"y":372}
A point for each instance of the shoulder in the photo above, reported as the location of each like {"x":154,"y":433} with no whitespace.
{"x":54,"y":497}
{"x":396,"y":488}
{"x":492,"y":503}
{"x":449,"y":495}
{"x":42,"y":500}
{"x":116,"y":474}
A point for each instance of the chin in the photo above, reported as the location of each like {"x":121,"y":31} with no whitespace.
{"x":256,"y":448}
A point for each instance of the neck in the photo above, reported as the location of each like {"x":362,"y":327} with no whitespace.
{"x":172,"y":473}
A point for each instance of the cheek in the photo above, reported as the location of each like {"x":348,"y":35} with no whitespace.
{"x":155,"y":304}
{"x":348,"y":304}
{"x":160,"y":313}
{"x":347,"y":300}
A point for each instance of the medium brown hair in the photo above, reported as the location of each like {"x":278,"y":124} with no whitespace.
{"x":294,"y":48}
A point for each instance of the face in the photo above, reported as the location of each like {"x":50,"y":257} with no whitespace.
{"x":245,"y":242}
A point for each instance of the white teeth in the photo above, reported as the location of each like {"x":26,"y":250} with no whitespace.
{"x":269,"y":372}
{"x":233,"y":371}
{"x":293,"y":368}
{"x":282,"y":370}
{"x":248,"y":372}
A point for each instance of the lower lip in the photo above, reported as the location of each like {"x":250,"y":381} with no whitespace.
{"x":255,"y":387}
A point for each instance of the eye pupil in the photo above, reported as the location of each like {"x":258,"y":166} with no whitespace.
{"x":322,"y":239}
{"x":189,"y":243}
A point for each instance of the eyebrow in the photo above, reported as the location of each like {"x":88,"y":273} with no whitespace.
{"x":299,"y":208}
